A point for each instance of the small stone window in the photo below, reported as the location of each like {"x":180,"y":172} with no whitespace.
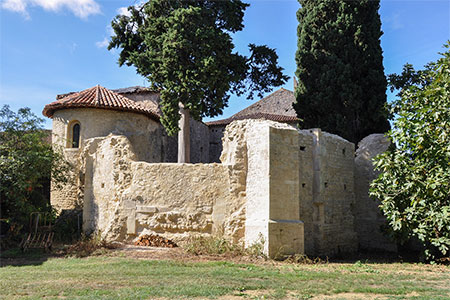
{"x":76,"y":136}
{"x":73,"y":135}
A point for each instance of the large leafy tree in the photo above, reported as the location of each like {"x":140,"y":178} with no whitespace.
{"x":414,"y":184}
{"x":27,"y":162}
{"x":185,"y":50}
{"x":341,"y":82}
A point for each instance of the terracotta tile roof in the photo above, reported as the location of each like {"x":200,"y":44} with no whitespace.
{"x":275,"y":107}
{"x":272,"y":117}
{"x":98,"y":97}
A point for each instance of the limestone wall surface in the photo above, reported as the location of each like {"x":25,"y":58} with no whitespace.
{"x":368,"y":218}
{"x":199,"y":132}
{"x":199,"y":142}
{"x":142,"y":132}
{"x":235,"y":157}
{"x":70,"y":195}
{"x":216,"y":133}
{"x":125,"y":198}
{"x":326,"y":192}
{"x":252,"y":194}
{"x":293,"y":188}
{"x":265,"y":190}
{"x":334,"y":195}
{"x":306,"y":175}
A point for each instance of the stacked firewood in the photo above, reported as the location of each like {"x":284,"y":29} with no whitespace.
{"x":153,"y":240}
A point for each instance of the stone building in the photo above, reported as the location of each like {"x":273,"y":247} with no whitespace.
{"x":297,"y":191}
{"x":275,"y":107}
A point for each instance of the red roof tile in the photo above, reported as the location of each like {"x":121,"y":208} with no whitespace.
{"x":272,"y":117}
{"x":98,"y":97}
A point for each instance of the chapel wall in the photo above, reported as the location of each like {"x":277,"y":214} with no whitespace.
{"x":199,"y":133}
{"x":295,"y":187}
{"x":125,"y":198}
{"x":143,"y":133}
{"x":333,"y":195}
{"x":368,"y":217}
{"x":216,"y":134}
{"x":306,"y":175}
{"x":272,"y":208}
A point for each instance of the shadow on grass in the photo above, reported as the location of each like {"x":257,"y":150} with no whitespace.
{"x":15,"y":257}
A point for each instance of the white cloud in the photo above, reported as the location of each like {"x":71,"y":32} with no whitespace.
{"x":80,"y":8}
{"x":123,"y":11}
{"x":102,"y":44}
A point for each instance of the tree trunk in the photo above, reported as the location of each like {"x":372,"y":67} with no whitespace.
{"x":184,"y":141}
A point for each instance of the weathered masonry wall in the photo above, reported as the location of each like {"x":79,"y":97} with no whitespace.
{"x":141,"y":131}
{"x":326,"y":192}
{"x":368,"y":218}
{"x":273,"y":189}
{"x":333,"y":194}
{"x":292,"y":189}
{"x":125,"y":198}
{"x":148,"y":138}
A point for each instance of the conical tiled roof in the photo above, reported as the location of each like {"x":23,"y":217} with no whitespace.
{"x":98,"y":97}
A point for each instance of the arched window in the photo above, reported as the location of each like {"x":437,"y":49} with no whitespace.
{"x":76,"y":135}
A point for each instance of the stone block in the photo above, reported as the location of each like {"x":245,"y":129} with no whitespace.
{"x":285,"y":237}
{"x":146,"y":209}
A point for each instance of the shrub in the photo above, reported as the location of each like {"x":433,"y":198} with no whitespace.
{"x":414,"y":184}
{"x":213,"y":245}
{"x":27,"y":161}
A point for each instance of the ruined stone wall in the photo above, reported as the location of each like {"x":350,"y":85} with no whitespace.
{"x":216,"y":133}
{"x":368,"y":218}
{"x":139,"y":129}
{"x":333,"y":195}
{"x":272,"y":187}
{"x":326,"y":192}
{"x":294,"y":188}
{"x":199,"y":142}
{"x":238,"y":199}
{"x":199,"y":132}
{"x":143,"y":133}
{"x":306,"y":174}
{"x":235,"y":157}
{"x":125,"y":198}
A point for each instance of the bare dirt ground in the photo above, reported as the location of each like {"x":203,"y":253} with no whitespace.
{"x":179,"y":254}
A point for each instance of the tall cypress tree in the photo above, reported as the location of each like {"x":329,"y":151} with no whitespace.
{"x":342,"y":86}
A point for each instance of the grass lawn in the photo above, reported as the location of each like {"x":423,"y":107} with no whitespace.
{"x":116,"y":277}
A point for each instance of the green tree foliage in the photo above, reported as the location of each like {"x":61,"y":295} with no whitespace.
{"x":185,"y":50}
{"x":341,"y":82}
{"x":27,"y":162}
{"x":414,"y":184}
{"x":410,"y":77}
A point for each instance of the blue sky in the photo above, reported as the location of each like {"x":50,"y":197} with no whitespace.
{"x":49,"y":47}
